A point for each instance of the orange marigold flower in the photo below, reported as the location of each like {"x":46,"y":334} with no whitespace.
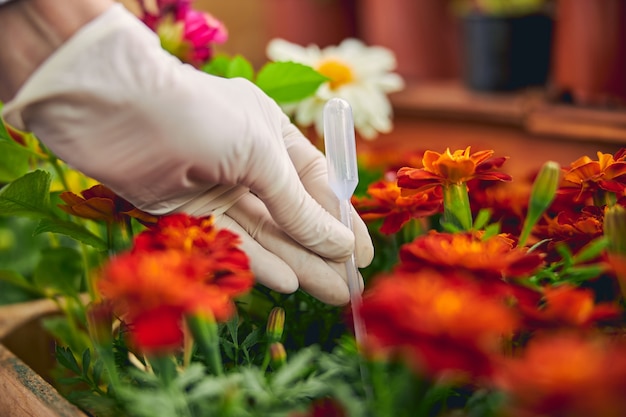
{"x":444,"y":323}
{"x":566,"y":375}
{"x":228,"y":264}
{"x":452,"y":168}
{"x":496,"y":256}
{"x":386,"y":201}
{"x":100,"y":203}
{"x":569,"y":306}
{"x":586,"y":176}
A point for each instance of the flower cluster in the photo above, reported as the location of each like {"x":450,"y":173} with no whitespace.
{"x":533,"y":321}
{"x":182,"y":266}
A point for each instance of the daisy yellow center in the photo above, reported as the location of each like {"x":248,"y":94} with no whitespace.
{"x":338,"y":72}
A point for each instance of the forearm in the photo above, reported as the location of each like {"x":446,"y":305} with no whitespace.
{"x":32,"y":30}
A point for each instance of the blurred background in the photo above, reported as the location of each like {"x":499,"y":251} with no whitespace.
{"x":522,"y":77}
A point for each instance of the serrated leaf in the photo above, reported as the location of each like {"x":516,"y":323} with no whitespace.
{"x":66,"y":358}
{"x":28,"y":195}
{"x":98,"y":366}
{"x":288,"y":82}
{"x":86,"y":363}
{"x":72,"y":230}
{"x":252,"y":338}
{"x":13,"y":160}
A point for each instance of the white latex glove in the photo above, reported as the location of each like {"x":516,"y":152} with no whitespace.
{"x":167,"y":137}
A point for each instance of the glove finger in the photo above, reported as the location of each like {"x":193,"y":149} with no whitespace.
{"x":312,"y":169}
{"x":269,"y":270}
{"x":318,"y":277}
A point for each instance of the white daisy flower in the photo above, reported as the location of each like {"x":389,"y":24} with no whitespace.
{"x":359,"y":74}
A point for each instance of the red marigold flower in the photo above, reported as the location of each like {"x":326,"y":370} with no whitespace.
{"x":444,"y":323}
{"x":100,"y":203}
{"x":170,"y":283}
{"x":229,"y":266}
{"x":586,"y":176}
{"x":569,"y":306}
{"x":323,"y":407}
{"x":566,"y":375}
{"x":575,"y":229}
{"x":452,"y":168}
{"x":386,"y":201}
{"x":508,"y":202}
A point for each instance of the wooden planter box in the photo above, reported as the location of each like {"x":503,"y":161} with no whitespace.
{"x":24,"y":353}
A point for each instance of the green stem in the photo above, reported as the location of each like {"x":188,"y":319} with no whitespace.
{"x":456,"y":206}
{"x":205,"y":332}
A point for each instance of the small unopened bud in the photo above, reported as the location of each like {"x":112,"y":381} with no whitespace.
{"x":615,"y":232}
{"x":278,"y":355}
{"x":100,"y":322}
{"x":541,"y":196}
{"x":275,"y":324}
{"x":615,"y":229}
{"x":545,"y":186}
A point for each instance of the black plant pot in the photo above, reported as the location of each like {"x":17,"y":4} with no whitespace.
{"x":506,"y":53}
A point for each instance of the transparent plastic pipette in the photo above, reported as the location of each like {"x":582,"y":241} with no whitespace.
{"x":343,"y":178}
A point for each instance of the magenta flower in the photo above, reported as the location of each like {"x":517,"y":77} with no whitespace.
{"x":187,"y":33}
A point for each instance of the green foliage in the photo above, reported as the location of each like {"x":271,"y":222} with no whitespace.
{"x":288,"y":82}
{"x":28,"y":195}
{"x":285,"y":82}
{"x":576,"y":268}
{"x":14,"y":159}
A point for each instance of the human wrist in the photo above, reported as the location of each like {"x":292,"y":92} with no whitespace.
{"x":33,"y":30}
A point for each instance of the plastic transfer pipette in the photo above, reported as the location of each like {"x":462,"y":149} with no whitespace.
{"x":343,"y":178}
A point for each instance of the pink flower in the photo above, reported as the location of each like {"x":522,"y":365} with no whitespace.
{"x":184,"y":32}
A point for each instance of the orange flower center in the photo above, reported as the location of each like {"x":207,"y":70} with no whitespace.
{"x":338,"y":72}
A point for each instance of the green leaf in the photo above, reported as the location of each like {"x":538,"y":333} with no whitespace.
{"x":288,"y":82}
{"x":13,"y":160}
{"x":86,"y":363}
{"x":59,"y":271}
{"x":97,"y":371}
{"x":4,"y":135}
{"x":592,"y":250}
{"x":66,"y":358}
{"x":17,"y":279}
{"x":218,"y":65}
{"x":482,"y":219}
{"x":28,"y":195}
{"x":70,"y":229}
{"x":240,"y":67}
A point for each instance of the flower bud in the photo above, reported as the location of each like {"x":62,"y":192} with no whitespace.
{"x":615,"y":229}
{"x":541,"y":196}
{"x":275,"y":324}
{"x":545,"y":186}
{"x":278,"y":355}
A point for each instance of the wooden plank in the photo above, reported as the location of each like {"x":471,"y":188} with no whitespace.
{"x":26,"y":394}
{"x":530,"y":110}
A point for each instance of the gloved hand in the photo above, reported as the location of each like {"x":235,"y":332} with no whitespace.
{"x":111,"y":103}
